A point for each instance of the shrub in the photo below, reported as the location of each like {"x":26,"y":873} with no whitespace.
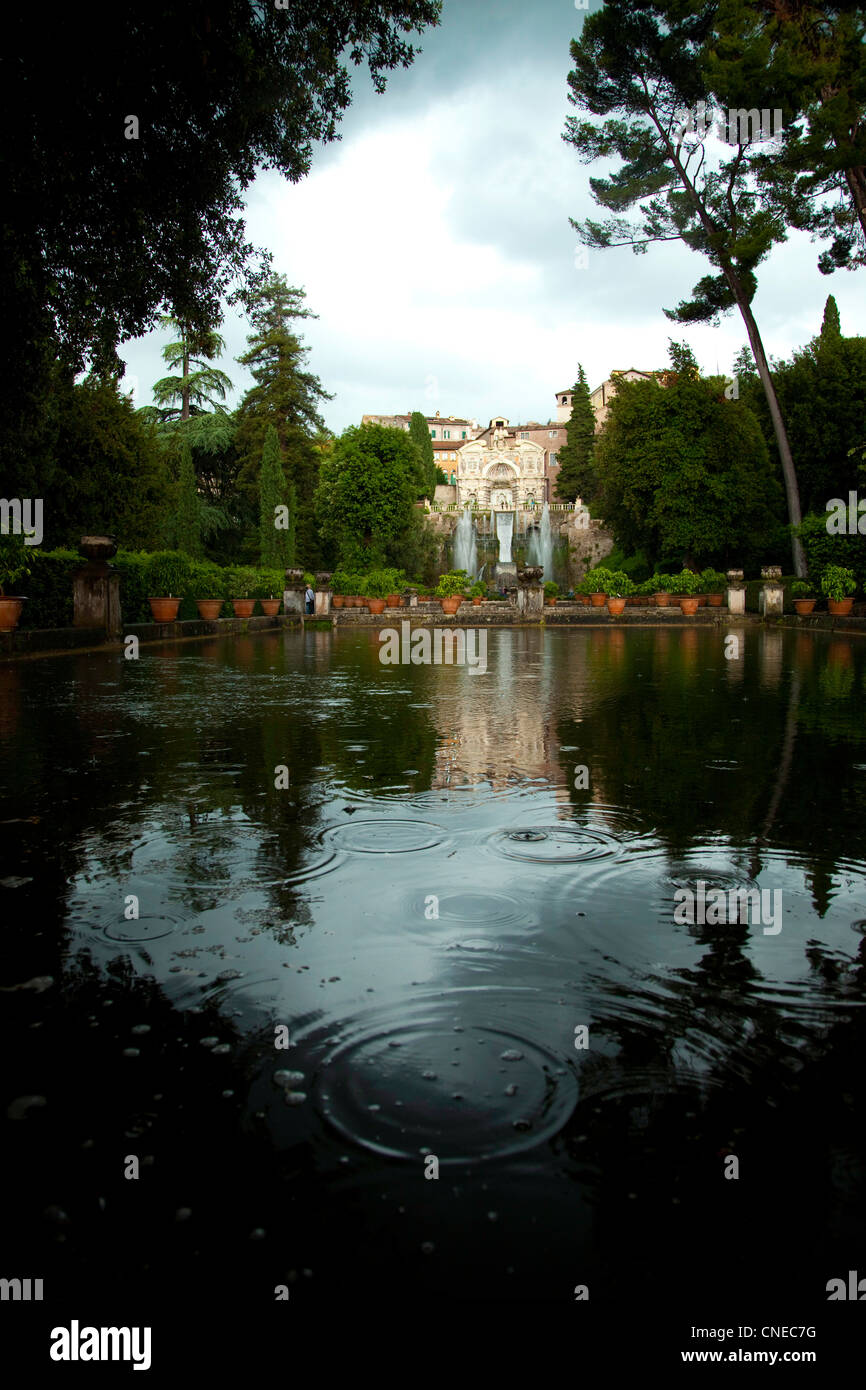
{"x":595,"y":581}
{"x":823,"y":549}
{"x":661,"y":584}
{"x":206,"y":580}
{"x":713,"y":581}
{"x":49,"y":588}
{"x":620,"y":586}
{"x":551,"y":590}
{"x":837,"y":582}
{"x":453,"y":583}
{"x":686,"y":582}
{"x":167,"y":574}
{"x":801,"y":588}
{"x":134,"y":589}
{"x":14,"y":562}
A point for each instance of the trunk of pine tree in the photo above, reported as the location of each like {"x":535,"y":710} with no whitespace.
{"x":184,"y":413}
{"x":789,"y":474}
{"x":856,"y":180}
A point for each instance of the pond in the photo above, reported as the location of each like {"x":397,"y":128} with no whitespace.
{"x":300,"y":931}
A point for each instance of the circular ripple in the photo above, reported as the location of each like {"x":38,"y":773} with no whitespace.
{"x":385,"y":836}
{"x":144,"y":929}
{"x":399,"y":1093}
{"x":554,"y":844}
{"x":467,"y":908}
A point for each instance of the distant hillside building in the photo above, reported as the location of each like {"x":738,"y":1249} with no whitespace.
{"x":441,"y":427}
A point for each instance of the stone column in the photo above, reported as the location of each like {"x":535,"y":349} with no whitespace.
{"x":96,"y":587}
{"x":771,"y":599}
{"x":323,"y":593}
{"x":736,"y":593}
{"x":410,"y":598}
{"x":293,"y":594}
{"x":530,"y":591}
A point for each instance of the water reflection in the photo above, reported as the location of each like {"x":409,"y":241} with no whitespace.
{"x":432,"y":907}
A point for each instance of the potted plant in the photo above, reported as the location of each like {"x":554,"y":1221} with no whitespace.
{"x":551,"y":593}
{"x":838,"y":585}
{"x":394,"y":598}
{"x":208,"y":586}
{"x":167,"y":575}
{"x":450,"y":590}
{"x":242,"y":582}
{"x":662,"y":590}
{"x":13,"y":566}
{"x":803,"y":597}
{"x":618,"y":590}
{"x":595,"y":583}
{"x":377,"y":587}
{"x":686,"y":586}
{"x":714,"y":583}
{"x":476,"y":593}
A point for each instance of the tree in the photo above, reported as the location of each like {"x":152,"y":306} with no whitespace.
{"x":419,"y":433}
{"x":822,"y":391}
{"x":366,"y":495}
{"x":188,"y":508}
{"x":683,"y":471}
{"x":175,"y":394}
{"x":108,"y":472}
{"x":144,"y":209}
{"x":576,"y":476}
{"x":641,"y":66}
{"x":277,"y":540}
{"x":285,"y":397}
{"x":809,"y":61}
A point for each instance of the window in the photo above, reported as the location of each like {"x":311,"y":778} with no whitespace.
{"x":463,"y":434}
{"x":523,"y":434}
{"x":432,"y":434}
{"x":446,"y":434}
{"x":553,"y":460}
{"x":551,"y":434}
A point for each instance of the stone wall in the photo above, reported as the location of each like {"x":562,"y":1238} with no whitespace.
{"x":587,"y":545}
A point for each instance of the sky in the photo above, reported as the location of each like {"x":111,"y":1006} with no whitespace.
{"x":433,"y":242}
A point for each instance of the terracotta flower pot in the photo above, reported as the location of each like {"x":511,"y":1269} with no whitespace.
{"x":840,"y":607}
{"x":450,"y":605}
{"x":702,"y":600}
{"x":615,"y":606}
{"x":164,"y":610}
{"x":338,"y":600}
{"x":394,"y":601}
{"x":243,"y":607}
{"x":689,"y":604}
{"x":209,"y":608}
{"x":804,"y":606}
{"x":376,"y":605}
{"x":10,"y":612}
{"x":662,"y":598}
{"x":598,"y":600}
{"x":476,"y":600}
{"x":550,"y":602}
{"x":270,"y":606}
{"x":715,"y":600}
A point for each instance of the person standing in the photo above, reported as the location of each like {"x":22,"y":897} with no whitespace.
{"x":309,"y":600}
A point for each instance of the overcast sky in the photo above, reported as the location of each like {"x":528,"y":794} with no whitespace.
{"x":433,"y":242}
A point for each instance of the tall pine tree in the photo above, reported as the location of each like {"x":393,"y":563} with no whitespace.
{"x":576,"y":477}
{"x":188,"y":521}
{"x":419,"y":433}
{"x":284,"y":396}
{"x":276,"y":538}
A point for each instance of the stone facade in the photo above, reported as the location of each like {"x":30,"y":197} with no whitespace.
{"x":501,"y":472}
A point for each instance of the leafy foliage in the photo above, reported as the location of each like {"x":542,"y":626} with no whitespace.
{"x":576,"y":476}
{"x":838,"y":582}
{"x":419,"y":433}
{"x":365,"y":499}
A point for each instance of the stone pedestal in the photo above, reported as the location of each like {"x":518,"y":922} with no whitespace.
{"x":96,"y":587}
{"x":323,"y":594}
{"x":771,"y":599}
{"x":506,"y":574}
{"x":736,"y":592}
{"x":530,"y":591}
{"x":293,"y":594}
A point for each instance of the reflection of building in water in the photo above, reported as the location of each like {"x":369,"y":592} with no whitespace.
{"x":502,"y":727}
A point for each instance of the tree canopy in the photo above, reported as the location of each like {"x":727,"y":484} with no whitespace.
{"x":576,"y":476}
{"x":366,"y":496}
{"x":684,"y":472}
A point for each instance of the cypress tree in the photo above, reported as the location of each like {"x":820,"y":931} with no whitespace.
{"x":419,"y":433}
{"x":273,"y":493}
{"x":188,"y":507}
{"x":576,"y":477}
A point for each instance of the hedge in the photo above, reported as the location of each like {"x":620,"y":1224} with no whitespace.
{"x":49,"y":586}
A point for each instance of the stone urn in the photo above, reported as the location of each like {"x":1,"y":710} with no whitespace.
{"x":98,"y":549}
{"x":531,"y":575}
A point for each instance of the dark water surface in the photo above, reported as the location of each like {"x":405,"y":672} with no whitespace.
{"x":432,"y":909}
